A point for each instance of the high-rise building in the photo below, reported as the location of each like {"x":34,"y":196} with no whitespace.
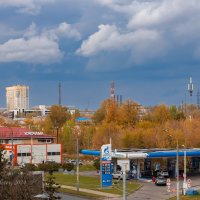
{"x":17,"y":97}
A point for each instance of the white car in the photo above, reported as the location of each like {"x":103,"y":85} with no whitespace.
{"x":119,"y":175}
{"x":163,"y":173}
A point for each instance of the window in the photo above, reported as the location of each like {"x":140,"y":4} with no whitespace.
{"x":23,"y":154}
{"x":44,"y":140}
{"x":53,"y":153}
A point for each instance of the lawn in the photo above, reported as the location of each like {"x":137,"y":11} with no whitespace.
{"x":93,"y":183}
{"x":195,"y":197}
{"x":87,"y":168}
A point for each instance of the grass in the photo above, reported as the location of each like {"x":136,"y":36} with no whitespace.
{"x":195,"y":197}
{"x":87,"y":168}
{"x":93,"y":183}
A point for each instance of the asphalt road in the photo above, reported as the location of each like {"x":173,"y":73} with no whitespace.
{"x":150,"y":191}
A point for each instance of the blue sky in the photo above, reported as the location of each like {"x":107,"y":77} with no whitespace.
{"x":149,"y":48}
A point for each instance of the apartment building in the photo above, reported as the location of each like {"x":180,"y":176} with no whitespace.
{"x":17,"y":97}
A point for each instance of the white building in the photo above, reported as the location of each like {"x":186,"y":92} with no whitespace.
{"x":17,"y":97}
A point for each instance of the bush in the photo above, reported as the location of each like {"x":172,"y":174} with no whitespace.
{"x":30,"y":167}
{"x":68,"y":166}
{"x":49,"y":167}
{"x":96,"y":164}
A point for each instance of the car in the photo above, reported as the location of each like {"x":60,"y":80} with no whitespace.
{"x":119,"y":175}
{"x":163,"y":173}
{"x":161,"y":180}
{"x":75,"y":161}
{"x":50,"y":162}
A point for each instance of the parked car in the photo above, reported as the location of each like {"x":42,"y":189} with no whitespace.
{"x":160,"y":180}
{"x":75,"y":161}
{"x":163,"y":173}
{"x":50,"y":162}
{"x":119,"y":175}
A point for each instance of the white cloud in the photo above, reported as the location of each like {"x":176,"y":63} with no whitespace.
{"x":37,"y":46}
{"x":33,"y":50}
{"x":25,"y":6}
{"x":142,"y":43}
{"x":67,"y":30}
{"x":161,"y":12}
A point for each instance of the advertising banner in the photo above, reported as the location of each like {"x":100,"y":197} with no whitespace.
{"x":106,"y":166}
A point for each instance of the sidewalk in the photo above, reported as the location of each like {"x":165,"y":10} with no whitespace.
{"x":108,"y":195}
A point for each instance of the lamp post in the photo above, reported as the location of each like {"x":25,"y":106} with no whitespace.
{"x":77,"y":132}
{"x":124,"y":181}
{"x":177,"y":171}
{"x":185,"y":171}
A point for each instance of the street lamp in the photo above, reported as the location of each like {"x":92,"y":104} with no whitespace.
{"x":184,"y":175}
{"x":177,"y":165}
{"x":177,"y":171}
{"x":77,"y":132}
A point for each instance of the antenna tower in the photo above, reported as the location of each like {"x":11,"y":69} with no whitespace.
{"x":59,"y":92}
{"x":198,"y":99}
{"x":112,"y":92}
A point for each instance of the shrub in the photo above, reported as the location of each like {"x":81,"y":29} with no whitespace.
{"x":68,"y":166}
{"x":49,"y":167}
{"x":30,"y":167}
{"x":96,"y":164}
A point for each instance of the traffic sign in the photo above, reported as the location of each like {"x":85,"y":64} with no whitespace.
{"x":189,"y":183}
{"x":168,"y":182}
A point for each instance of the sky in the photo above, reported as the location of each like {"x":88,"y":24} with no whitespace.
{"x":149,"y":48}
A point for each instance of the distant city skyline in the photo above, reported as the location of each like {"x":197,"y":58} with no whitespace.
{"x":149,"y":49}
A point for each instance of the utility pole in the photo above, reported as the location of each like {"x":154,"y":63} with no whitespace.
{"x":177,"y":171}
{"x":124,"y":182}
{"x":184,"y":175}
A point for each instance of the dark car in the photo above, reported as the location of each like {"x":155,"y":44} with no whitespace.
{"x":160,"y":180}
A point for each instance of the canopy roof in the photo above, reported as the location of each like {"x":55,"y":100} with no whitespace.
{"x":147,"y":153}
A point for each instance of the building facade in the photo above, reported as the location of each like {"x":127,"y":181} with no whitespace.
{"x":17,"y":97}
{"x":27,"y":146}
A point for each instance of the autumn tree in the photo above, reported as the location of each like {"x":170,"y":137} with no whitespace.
{"x":128,"y":114}
{"x":58,"y":116}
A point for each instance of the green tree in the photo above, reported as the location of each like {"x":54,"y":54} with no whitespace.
{"x":51,"y":187}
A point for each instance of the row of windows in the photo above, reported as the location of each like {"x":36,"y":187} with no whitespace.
{"x":53,"y":153}
{"x":44,"y":140}
{"x":24,"y":154}
{"x":29,"y":154}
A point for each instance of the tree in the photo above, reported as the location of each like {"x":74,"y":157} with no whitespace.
{"x":128,"y":114}
{"x":58,"y":116}
{"x":51,"y":187}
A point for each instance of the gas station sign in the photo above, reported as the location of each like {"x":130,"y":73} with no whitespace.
{"x":106,"y":166}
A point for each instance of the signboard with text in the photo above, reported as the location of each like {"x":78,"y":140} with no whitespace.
{"x":106,"y":166}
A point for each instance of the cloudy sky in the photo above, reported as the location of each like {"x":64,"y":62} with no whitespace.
{"x":149,"y":48}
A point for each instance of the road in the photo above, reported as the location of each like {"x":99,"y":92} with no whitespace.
{"x":150,"y":191}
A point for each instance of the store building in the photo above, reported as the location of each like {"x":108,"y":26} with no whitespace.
{"x":26,"y":146}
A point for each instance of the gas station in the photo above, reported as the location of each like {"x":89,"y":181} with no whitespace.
{"x":141,"y":163}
